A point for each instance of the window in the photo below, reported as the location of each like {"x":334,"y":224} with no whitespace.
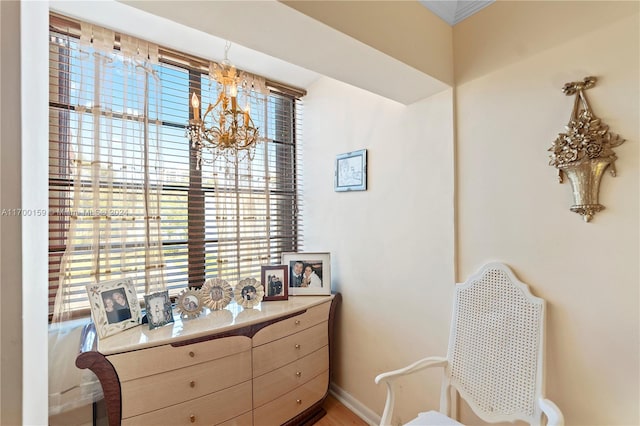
{"x":224,"y":220}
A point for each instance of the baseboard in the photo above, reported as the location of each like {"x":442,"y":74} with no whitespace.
{"x":358,"y":408}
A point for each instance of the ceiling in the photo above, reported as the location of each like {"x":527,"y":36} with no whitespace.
{"x":454,"y":11}
{"x":264,"y":48}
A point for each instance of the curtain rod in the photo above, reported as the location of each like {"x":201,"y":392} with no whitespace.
{"x":71,"y":26}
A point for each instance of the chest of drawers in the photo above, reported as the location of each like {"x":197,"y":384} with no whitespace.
{"x":269,"y":366}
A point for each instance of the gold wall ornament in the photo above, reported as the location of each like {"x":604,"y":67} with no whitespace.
{"x":584,"y":151}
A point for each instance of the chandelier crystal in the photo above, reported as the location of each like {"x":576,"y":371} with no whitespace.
{"x":225,"y":128}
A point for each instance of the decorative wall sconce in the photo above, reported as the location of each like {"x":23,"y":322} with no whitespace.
{"x":584,"y":151}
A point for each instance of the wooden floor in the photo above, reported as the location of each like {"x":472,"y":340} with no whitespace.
{"x":338,"y":415}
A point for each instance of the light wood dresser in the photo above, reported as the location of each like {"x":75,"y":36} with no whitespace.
{"x":264,"y":366}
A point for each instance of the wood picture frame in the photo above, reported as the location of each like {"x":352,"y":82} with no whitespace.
{"x":275,"y":280}
{"x":114,"y":306}
{"x":309,"y":273}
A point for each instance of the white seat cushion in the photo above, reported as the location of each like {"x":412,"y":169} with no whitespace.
{"x":433,"y":418}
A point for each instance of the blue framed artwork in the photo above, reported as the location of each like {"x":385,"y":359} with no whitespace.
{"x":351,"y":171}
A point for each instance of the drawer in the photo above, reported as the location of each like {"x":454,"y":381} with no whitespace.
{"x":311,"y":317}
{"x":145,"y":362}
{"x":161,"y":390}
{"x":244,"y":420}
{"x":278,"y":382}
{"x":288,"y":349}
{"x":210,"y":409}
{"x":292,"y":403}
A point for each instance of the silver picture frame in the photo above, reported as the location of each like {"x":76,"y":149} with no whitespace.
{"x":351,"y":171}
{"x":158,"y":307}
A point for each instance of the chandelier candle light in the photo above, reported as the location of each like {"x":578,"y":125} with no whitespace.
{"x":231,"y":131}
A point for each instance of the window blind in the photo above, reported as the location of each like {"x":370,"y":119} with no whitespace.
{"x":222,"y":220}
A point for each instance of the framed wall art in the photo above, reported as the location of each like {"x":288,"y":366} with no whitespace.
{"x":114,"y":306}
{"x":309,"y":273}
{"x":159,"y":310}
{"x":351,"y":171}
{"x":275,"y":279}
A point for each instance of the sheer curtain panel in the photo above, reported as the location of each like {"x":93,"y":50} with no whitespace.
{"x":111,"y":173}
{"x":106,"y":176}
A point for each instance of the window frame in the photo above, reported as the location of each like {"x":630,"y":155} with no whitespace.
{"x":196,"y":235}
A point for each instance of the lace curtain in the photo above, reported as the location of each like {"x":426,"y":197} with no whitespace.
{"x":117,"y":176}
{"x":116,"y":167}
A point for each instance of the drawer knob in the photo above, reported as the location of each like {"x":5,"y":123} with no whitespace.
{"x":298,"y":373}
{"x":192,"y":418}
{"x":297,"y":322}
{"x":192,"y":384}
{"x":192,"y":354}
{"x":297,"y":346}
{"x":298,"y":401}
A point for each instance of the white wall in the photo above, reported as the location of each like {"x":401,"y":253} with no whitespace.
{"x":514,"y":59}
{"x":391,"y":246}
{"x":34,"y":93}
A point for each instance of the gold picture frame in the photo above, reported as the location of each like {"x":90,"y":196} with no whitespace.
{"x":189,"y":303}
{"x":216,"y":293}
{"x":249,"y":293}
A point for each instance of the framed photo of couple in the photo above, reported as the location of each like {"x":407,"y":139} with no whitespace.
{"x":114,"y":306}
{"x":275,"y":279}
{"x":309,"y":273}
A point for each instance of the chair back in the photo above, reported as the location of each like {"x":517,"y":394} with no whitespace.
{"x":496,"y":346}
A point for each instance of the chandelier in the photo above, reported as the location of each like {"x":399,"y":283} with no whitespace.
{"x":225,"y":128}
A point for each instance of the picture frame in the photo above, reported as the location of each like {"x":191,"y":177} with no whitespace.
{"x":351,"y":171}
{"x":114,"y":306}
{"x":158,"y":307}
{"x":189,"y":303}
{"x":249,"y":293}
{"x":216,"y":293}
{"x":318,"y":279}
{"x":275,"y":280}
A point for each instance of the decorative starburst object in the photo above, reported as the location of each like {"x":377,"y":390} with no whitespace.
{"x":216,"y":293}
{"x":249,"y":293}
{"x":190,"y":303}
{"x":584,"y":151}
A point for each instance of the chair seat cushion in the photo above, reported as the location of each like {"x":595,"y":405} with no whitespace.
{"x":433,"y":418}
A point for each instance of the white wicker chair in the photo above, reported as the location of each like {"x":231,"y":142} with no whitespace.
{"x":495,"y":359}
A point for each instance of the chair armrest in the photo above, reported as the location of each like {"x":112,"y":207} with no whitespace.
{"x":389,"y":377}
{"x":553,"y":413}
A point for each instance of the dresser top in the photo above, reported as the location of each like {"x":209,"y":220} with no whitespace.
{"x":208,"y":323}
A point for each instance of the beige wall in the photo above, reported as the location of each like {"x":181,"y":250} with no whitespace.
{"x":405,"y":30}
{"x":391,"y":246}
{"x":512,"y":60}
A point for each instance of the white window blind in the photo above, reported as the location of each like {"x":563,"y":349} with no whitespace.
{"x":224,"y":220}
